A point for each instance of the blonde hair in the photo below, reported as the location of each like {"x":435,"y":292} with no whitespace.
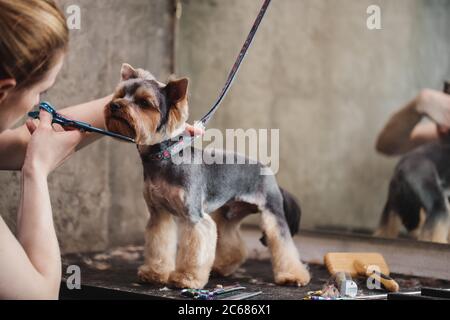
{"x":32,"y":33}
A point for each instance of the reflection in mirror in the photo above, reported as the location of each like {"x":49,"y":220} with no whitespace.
{"x":418,"y":191}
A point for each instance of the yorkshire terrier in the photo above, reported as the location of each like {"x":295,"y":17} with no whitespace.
{"x":196,"y":209}
{"x":419,"y":195}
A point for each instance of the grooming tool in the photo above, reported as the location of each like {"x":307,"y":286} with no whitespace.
{"x":361,"y":264}
{"x":423,"y":294}
{"x":388,"y":283}
{"x":322,"y":295}
{"x":438,"y":293}
{"x":344,"y":262}
{"x":347,"y":287}
{"x":184,"y":141}
{"x":198,"y":294}
{"x":243,"y":296}
{"x":315,"y":298}
{"x":68,"y":123}
{"x":384,"y":296}
{"x":330,"y":291}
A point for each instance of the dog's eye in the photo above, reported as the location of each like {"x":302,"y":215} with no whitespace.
{"x":145,"y":103}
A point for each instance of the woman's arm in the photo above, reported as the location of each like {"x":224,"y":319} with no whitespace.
{"x":403,"y":132}
{"x":13,"y":143}
{"x":19,"y":278}
{"x":31,"y":265}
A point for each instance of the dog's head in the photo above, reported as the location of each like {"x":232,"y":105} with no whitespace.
{"x":145,"y":109}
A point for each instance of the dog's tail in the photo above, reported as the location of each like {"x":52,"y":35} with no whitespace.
{"x":292,"y":211}
{"x":402,"y":205}
{"x":292,"y":214}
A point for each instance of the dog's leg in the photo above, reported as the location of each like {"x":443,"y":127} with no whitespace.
{"x":427,"y":186}
{"x":287,"y":267}
{"x":160,"y":248}
{"x":415,"y":234}
{"x":196,"y":253}
{"x":390,"y":225}
{"x":231,"y":251}
{"x":436,"y":230}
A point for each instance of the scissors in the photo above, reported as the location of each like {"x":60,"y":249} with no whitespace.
{"x":82,"y":126}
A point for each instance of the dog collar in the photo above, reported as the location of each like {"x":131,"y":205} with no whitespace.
{"x":166,"y":149}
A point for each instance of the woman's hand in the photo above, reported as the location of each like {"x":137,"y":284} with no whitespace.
{"x":436,"y":106}
{"x":194,"y":130}
{"x":49,"y":148}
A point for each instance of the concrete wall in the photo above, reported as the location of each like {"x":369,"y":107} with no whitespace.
{"x":317,"y":73}
{"x":96,"y":196}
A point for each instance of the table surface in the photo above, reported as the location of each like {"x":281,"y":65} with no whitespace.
{"x":116,"y":269}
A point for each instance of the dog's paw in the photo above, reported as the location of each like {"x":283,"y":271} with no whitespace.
{"x":184,"y":280}
{"x":146,"y":274}
{"x":438,"y":234}
{"x":226,"y":268}
{"x":225,"y":271}
{"x":287,"y":279}
{"x":298,"y":278}
{"x":429,"y":237}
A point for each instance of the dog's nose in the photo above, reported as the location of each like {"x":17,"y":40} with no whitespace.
{"x":114,"y":106}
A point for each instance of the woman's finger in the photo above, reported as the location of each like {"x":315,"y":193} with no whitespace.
{"x":57,"y":127}
{"x":194,"y":131}
{"x":75,"y":136}
{"x":45,"y":119}
{"x":31,"y":126}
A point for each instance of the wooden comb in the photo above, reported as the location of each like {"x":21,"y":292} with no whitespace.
{"x":345,"y":262}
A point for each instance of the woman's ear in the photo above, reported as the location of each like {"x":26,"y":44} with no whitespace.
{"x":6,"y":86}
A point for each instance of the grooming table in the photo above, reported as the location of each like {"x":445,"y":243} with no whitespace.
{"x":112,"y":275}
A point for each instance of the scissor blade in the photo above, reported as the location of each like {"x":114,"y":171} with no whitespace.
{"x":89,"y":128}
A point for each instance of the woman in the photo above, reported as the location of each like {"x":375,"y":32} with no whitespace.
{"x":33,"y":43}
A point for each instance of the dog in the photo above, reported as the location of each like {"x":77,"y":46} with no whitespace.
{"x":196,"y":209}
{"x":418,"y":195}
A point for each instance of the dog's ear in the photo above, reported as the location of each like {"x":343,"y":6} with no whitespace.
{"x":176,"y":90}
{"x":128,"y":72}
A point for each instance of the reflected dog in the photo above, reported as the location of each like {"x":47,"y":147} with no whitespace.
{"x":419,"y":195}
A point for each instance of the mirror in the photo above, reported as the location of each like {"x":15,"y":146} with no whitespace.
{"x":328,"y":75}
